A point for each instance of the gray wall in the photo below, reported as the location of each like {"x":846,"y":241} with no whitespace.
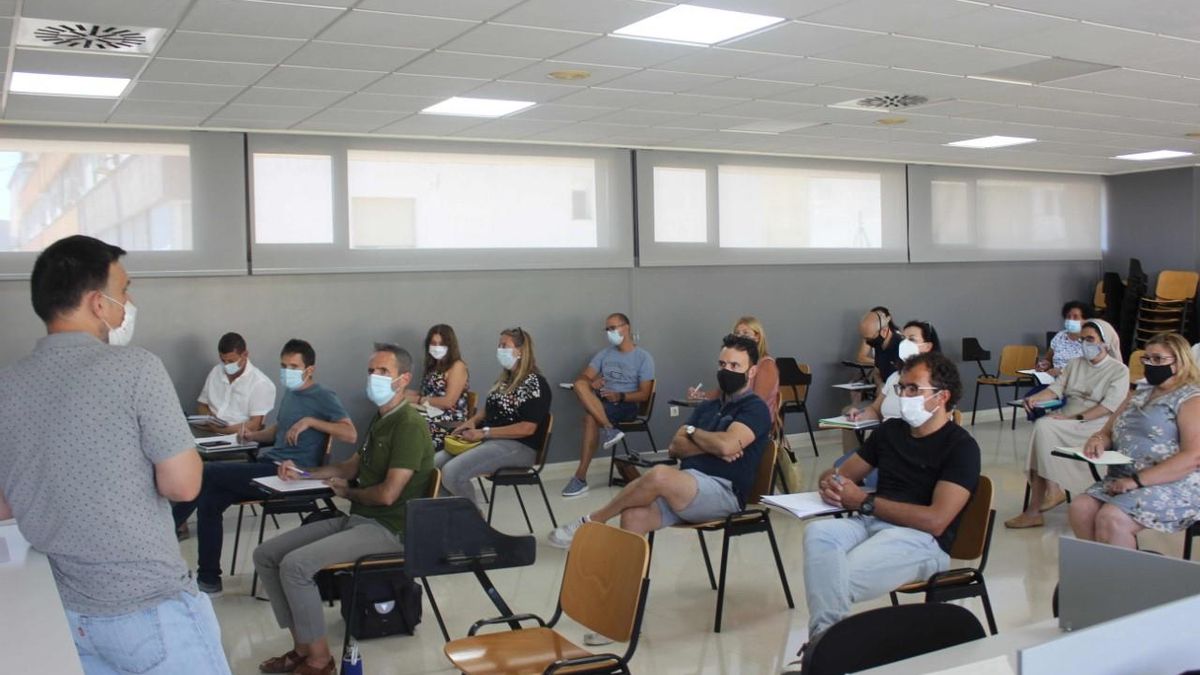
{"x":810,"y":312}
{"x":1155,"y":217}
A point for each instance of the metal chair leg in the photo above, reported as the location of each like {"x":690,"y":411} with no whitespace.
{"x":546,"y":499}
{"x":524,"y":512}
{"x":987,"y":607}
{"x":999,"y":405}
{"x":653,"y":445}
{"x":482,"y":490}
{"x":434,"y":606}
{"x":262,"y":526}
{"x":811,"y":437}
{"x":712,"y":581}
{"x":237,"y":538}
{"x":787,"y":590}
{"x":975,"y":405}
{"x":491,"y":503}
{"x":721,"y":585}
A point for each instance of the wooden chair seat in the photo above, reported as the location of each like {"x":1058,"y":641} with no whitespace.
{"x":958,"y":578}
{"x":999,"y":381}
{"x":721,"y":522}
{"x":518,"y":652}
{"x":349,"y":565}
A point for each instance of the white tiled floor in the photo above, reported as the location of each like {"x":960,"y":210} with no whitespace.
{"x":760,"y":633}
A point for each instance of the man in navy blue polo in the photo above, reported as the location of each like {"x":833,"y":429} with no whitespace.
{"x":719,"y":451}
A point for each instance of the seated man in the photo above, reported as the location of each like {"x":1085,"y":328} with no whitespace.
{"x":308,"y":415}
{"x":928,"y":469}
{"x":617,"y":379}
{"x":720,"y":449}
{"x":393,"y":465}
{"x":236,"y":392}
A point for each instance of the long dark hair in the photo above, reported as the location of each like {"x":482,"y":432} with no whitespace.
{"x":450,"y":340}
{"x":928,"y":333}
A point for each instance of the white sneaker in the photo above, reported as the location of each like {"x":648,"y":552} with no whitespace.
{"x":562,"y":535}
{"x":610,"y":436}
{"x":596,"y":640}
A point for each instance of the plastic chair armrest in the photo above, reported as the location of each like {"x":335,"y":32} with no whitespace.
{"x":505,"y":619}
{"x":580,"y":661}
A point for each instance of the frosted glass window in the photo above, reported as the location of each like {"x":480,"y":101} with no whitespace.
{"x":293,"y":199}
{"x":680,"y":205}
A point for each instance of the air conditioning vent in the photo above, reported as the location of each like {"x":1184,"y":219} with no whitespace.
{"x":87,"y":37}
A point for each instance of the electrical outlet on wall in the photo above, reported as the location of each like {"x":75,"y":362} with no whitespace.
{"x":674,"y":411}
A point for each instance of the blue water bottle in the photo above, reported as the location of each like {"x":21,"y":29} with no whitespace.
{"x":352,"y":659}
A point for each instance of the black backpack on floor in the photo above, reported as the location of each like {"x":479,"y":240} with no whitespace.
{"x":378,"y":603}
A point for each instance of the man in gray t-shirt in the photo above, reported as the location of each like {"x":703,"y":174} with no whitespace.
{"x":95,"y":445}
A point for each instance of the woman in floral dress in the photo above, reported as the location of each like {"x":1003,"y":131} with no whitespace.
{"x":444,"y":383}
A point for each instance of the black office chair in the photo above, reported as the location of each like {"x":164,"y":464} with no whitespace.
{"x":794,"y":382}
{"x":524,"y":475}
{"x":639,"y":423}
{"x":1188,"y":535}
{"x":878,"y":637}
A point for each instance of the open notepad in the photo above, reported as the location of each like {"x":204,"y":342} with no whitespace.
{"x":1041,"y":376}
{"x":205,"y":420}
{"x":801,"y":504}
{"x":275,"y":484}
{"x":1109,"y":456}
{"x":842,"y":423}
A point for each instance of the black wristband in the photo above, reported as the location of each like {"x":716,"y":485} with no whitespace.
{"x":622,"y":397}
{"x":1137,"y":479}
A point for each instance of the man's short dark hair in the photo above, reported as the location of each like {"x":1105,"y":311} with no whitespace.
{"x":1083,"y":308}
{"x":624,"y":319}
{"x":943,"y":374}
{"x":68,"y":269}
{"x":297,"y":346}
{"x":403,"y":358}
{"x":742,"y":344}
{"x":231,"y":343}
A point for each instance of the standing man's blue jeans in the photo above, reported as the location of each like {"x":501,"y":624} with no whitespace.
{"x":849,"y":560}
{"x":179,"y":636}
{"x":224,"y":484}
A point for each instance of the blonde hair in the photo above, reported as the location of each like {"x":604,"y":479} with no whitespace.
{"x":755,"y":325}
{"x":511,"y":379}
{"x":1188,"y":372}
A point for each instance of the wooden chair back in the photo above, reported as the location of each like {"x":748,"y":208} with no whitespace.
{"x":472,"y":401}
{"x":794,"y":379}
{"x":646,"y":408}
{"x":956,"y":416}
{"x":1176,"y":285}
{"x":328,"y":454}
{"x":602,"y":585}
{"x":973,"y":531}
{"x":1136,"y":369}
{"x":1016,"y":357}
{"x":766,"y":471}
{"x":434,"y":487}
{"x":1099,"y":300}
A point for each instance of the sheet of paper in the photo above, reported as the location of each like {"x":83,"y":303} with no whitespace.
{"x":431,"y":411}
{"x":212,"y":443}
{"x":1108,"y":458}
{"x":202,"y":420}
{"x":854,"y":386}
{"x":841,"y":422}
{"x":566,"y":385}
{"x":997,"y":665}
{"x":275,"y":484}
{"x":801,"y":504}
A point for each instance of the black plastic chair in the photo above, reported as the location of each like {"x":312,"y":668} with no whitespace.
{"x":524,"y":475}
{"x":1188,"y":535}
{"x":794,"y":383}
{"x":640,"y":423}
{"x":973,"y":351}
{"x":881,"y":636}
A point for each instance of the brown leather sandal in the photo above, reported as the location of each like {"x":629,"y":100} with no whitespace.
{"x":282,"y":664}
{"x":305,"y":669}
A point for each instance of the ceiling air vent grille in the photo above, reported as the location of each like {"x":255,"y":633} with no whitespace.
{"x":893,"y":101}
{"x":90,"y":36}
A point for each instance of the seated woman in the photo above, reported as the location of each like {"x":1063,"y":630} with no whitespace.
{"x":1093,"y":386}
{"x":444,"y":383}
{"x":765,"y":382}
{"x":1065,"y":345}
{"x":920,"y":337}
{"x":1159,"y":428}
{"x":511,"y":424}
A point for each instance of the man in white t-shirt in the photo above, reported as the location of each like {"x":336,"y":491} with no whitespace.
{"x":236,"y":392}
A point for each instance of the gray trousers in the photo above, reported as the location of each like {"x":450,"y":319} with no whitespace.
{"x":459,"y":472}
{"x":287,"y":564}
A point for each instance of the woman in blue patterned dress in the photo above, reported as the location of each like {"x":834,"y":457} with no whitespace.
{"x":444,"y":383}
{"x":1159,"y":428}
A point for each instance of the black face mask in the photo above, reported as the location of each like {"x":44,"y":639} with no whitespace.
{"x":875,"y":342}
{"x":1156,"y":375}
{"x":730,"y":382}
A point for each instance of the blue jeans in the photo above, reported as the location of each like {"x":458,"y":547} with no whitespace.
{"x":849,"y":560}
{"x":179,"y":636}
{"x":224,"y":484}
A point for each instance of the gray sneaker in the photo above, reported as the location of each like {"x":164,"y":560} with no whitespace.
{"x":575,"y":487}
{"x":596,"y":640}
{"x":610,"y":436}
{"x":562,"y":535}
{"x":211,"y":589}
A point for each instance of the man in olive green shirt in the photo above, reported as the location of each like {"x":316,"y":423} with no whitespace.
{"x":393,"y":465}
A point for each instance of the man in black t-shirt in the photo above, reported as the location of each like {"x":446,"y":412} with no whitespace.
{"x":928,"y":469}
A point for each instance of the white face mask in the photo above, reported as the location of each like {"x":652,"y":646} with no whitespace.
{"x":379,"y":389}
{"x":232,"y":368}
{"x":908,"y":349}
{"x":912,"y":410}
{"x":123,"y":334}
{"x":1073,"y":326}
{"x":506,"y":357}
{"x":438,"y":351}
{"x":614,"y":337}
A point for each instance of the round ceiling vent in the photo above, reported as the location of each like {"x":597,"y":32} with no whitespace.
{"x":893,"y":101}
{"x":91,"y":36}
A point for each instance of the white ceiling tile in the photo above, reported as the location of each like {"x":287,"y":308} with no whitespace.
{"x":1088,"y":43}
{"x":249,"y":123}
{"x":616,"y":51}
{"x":537,"y":43}
{"x":386,"y":103}
{"x":322,"y":3}
{"x":687,"y":103}
{"x":477,"y":10}
{"x":143,"y":120}
{"x":5,"y":32}
{"x":293,"y":97}
{"x":984,"y":26}
{"x":812,"y":71}
{"x":583,"y":132}
{"x":327,"y":79}
{"x":788,"y":9}
{"x":764,"y":109}
{"x":454,"y":64}
{"x":596,"y":16}
{"x":952,"y":108}
{"x":563,"y":113}
{"x":394,"y":30}
{"x":712,"y":122}
{"x":798,"y":39}
{"x":727,"y":62}
{"x":821,"y":95}
{"x":662,"y":81}
{"x":1172,"y":17}
{"x":512,"y":128}
{"x":353,"y":57}
{"x":1123,"y":82}
{"x":939,"y":57}
{"x":258,"y":18}
{"x":612,"y":98}
{"x":221,"y":47}
{"x":169,"y":91}
{"x":8,"y":7}
{"x":167,"y":108}
{"x":743,"y":88}
{"x":65,"y":63}
{"x":539,"y":72}
{"x":423,"y":85}
{"x":149,"y":13}
{"x":360,"y":121}
{"x":642,"y":118}
{"x":202,"y":72}
{"x":57,"y":108}
{"x":522,"y":91}
{"x":931,"y":85}
{"x":890,"y":15}
{"x":430,"y":125}
{"x":272,"y":113}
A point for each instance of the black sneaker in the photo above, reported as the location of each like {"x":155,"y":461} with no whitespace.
{"x":210,"y":588}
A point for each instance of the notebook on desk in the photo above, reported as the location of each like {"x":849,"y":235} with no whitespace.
{"x":276,"y":485}
{"x":841,"y":422}
{"x":802,"y":504}
{"x":1108,"y":458}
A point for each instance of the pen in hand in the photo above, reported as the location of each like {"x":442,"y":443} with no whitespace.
{"x":297,"y":470}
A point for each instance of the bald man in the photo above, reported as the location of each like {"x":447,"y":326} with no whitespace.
{"x":883,"y":337}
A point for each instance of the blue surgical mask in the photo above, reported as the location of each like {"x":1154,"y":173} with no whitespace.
{"x":506,"y":357}
{"x":379,"y":389}
{"x":232,"y":368}
{"x":1091,"y":350}
{"x":1073,"y":326}
{"x":291,"y":378}
{"x":614,"y":337}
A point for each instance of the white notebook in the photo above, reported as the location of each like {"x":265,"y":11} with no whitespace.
{"x":801,"y":504}
{"x":203,"y":420}
{"x":1109,"y":456}
{"x":275,"y":484}
{"x":842,"y":423}
{"x":1041,"y":376}
{"x":211,"y":443}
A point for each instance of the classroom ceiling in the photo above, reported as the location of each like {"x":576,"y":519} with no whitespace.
{"x":369,"y":66}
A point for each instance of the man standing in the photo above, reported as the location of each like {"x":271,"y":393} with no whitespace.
{"x":308,"y":415}
{"x":393,"y":465}
{"x":95,"y":446}
{"x":928,"y":469}
{"x":618,"y":379}
{"x":236,"y":392}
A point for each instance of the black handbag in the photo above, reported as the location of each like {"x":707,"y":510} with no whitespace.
{"x":378,"y":603}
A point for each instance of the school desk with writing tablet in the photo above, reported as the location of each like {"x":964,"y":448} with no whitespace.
{"x":34,"y":634}
{"x":305,"y":487}
{"x":227,"y":447}
{"x":855,"y":386}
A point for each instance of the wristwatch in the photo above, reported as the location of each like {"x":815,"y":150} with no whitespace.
{"x":867,"y":508}
{"x":690,"y":431}
{"x":487,"y":432}
{"x":1079,"y":417}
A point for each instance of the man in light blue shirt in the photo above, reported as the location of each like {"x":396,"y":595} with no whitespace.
{"x":616,"y":381}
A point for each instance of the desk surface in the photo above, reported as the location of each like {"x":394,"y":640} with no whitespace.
{"x":1006,"y":643}
{"x":687,"y":402}
{"x":34,"y":635}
